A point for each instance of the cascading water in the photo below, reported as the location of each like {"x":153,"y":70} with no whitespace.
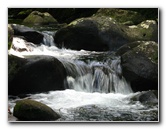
{"x":95,"y":77}
{"x":95,"y":90}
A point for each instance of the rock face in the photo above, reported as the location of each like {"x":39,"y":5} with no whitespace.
{"x":38,"y":18}
{"x":140,"y":64}
{"x":10,"y":35}
{"x":30,"y":110}
{"x":35,"y":74}
{"x":103,"y":33}
{"x":126,"y":17}
{"x":27,"y":33}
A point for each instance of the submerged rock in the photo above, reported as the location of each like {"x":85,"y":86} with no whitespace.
{"x":38,"y":18}
{"x":140,"y":64}
{"x":38,"y":74}
{"x":30,"y":110}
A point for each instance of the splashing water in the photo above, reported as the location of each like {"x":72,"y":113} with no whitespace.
{"x":96,"y":88}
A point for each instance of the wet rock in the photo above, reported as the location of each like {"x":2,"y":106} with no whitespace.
{"x":38,"y":74}
{"x":147,"y":97}
{"x":140,"y":64}
{"x":27,"y":33}
{"x":38,"y":18}
{"x":30,"y":110}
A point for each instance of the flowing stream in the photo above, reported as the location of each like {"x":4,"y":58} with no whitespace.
{"x":96,"y":89}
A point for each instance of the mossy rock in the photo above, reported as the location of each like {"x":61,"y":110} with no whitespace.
{"x":145,"y":31}
{"x":30,"y":110}
{"x":10,"y":36}
{"x":38,"y":18}
{"x":101,"y":33}
{"x":147,"y":48}
{"x":140,"y":64}
{"x":126,"y":17}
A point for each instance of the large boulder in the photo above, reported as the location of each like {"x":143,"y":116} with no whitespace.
{"x":27,"y":33}
{"x":93,"y":33}
{"x":103,"y":33}
{"x":126,"y":17}
{"x":30,"y":110}
{"x":140,"y":64}
{"x":38,"y":18}
{"x":37,"y":74}
{"x":14,"y":65}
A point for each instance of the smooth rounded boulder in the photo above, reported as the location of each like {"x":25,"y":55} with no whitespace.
{"x":122,"y":16}
{"x":38,"y":74}
{"x":30,"y":110}
{"x":93,"y":33}
{"x":38,"y":18}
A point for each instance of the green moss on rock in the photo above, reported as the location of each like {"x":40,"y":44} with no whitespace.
{"x":30,"y":110}
{"x":145,"y":31}
{"x":39,"y":18}
{"x":150,"y":50}
{"x":127,"y":17}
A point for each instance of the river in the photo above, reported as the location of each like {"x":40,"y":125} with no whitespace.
{"x":96,"y":89}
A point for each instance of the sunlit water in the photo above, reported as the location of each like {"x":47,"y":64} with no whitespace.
{"x":96,"y":90}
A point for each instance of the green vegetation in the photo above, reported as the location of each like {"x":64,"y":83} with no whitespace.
{"x":39,"y":18}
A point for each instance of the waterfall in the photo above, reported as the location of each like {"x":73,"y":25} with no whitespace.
{"x":96,"y":77}
{"x":95,"y":89}
{"x":83,"y":74}
{"x":48,"y":39}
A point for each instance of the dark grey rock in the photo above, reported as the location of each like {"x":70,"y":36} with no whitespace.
{"x":37,"y":74}
{"x":27,"y":33}
{"x":103,"y":33}
{"x":140,"y":64}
